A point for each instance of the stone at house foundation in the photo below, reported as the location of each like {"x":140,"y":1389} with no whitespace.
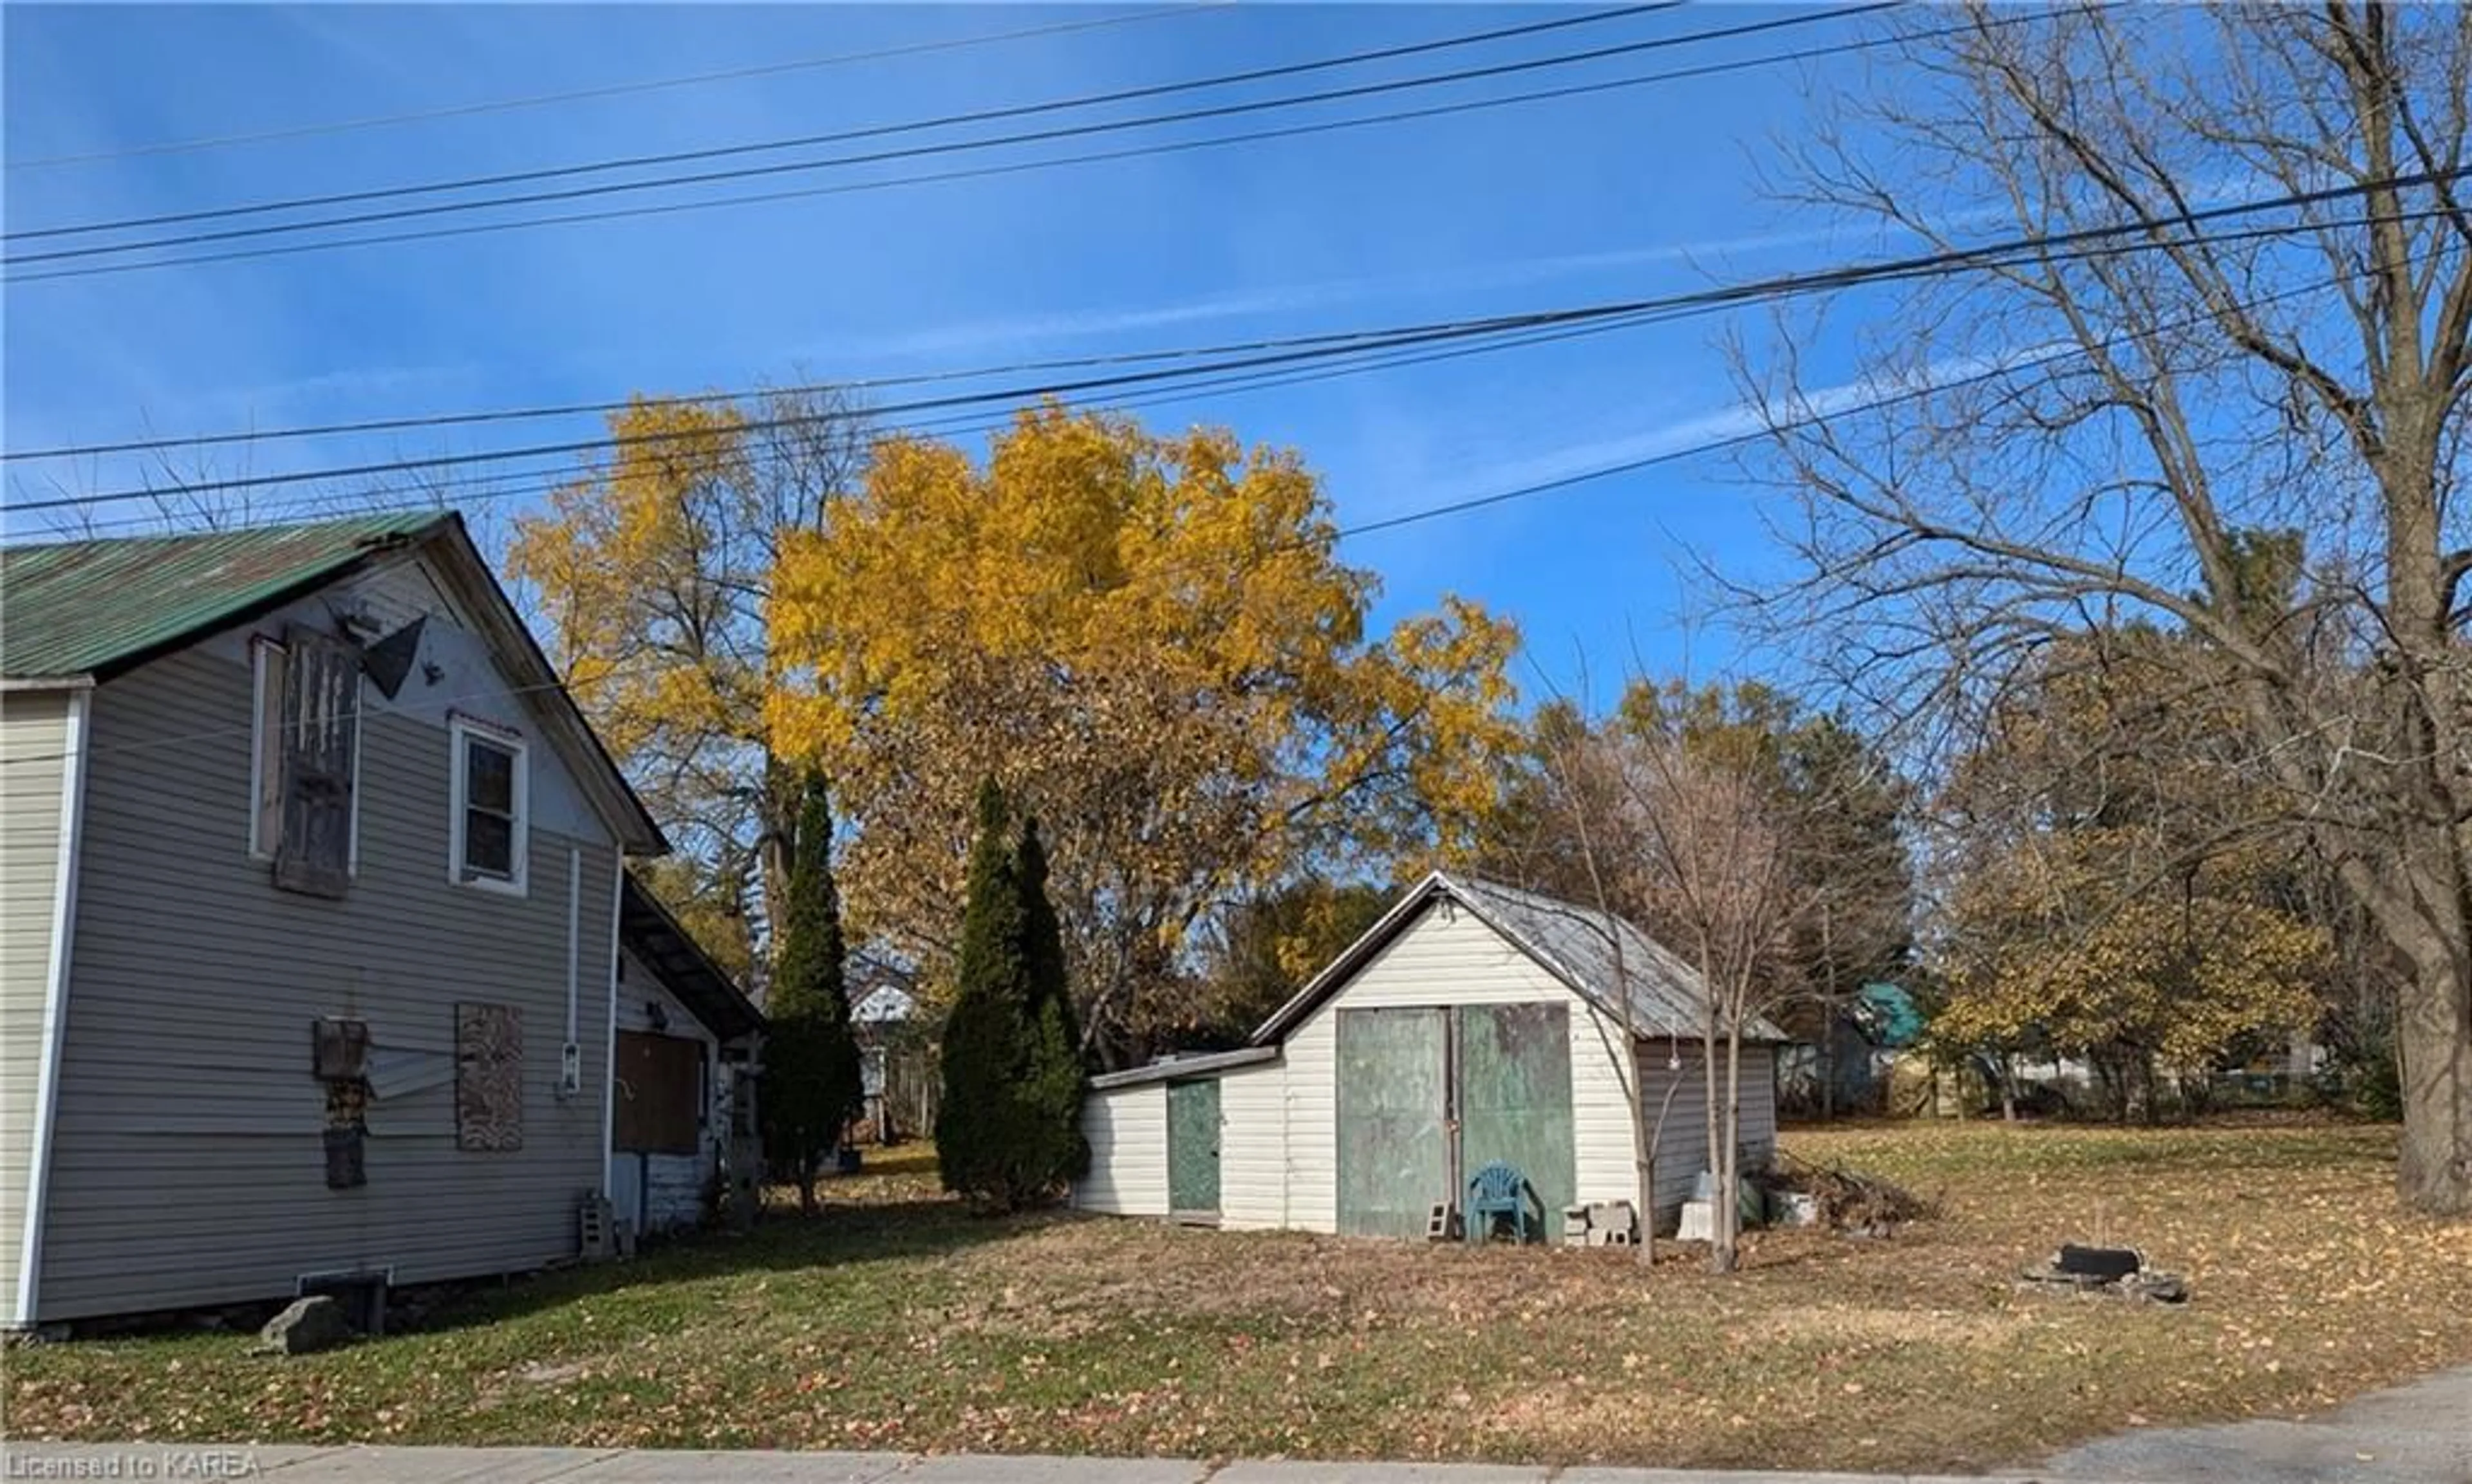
{"x":313,"y":1323}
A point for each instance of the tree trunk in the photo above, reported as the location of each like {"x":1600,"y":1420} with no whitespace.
{"x":1722,"y":1250}
{"x":777,"y":835}
{"x":2434,"y":1021}
{"x":2008,"y":1088}
{"x":1828,"y":1064}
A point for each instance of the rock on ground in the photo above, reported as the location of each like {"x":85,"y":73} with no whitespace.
{"x":314,"y":1323}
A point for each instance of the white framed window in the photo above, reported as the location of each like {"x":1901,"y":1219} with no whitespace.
{"x":489,"y":834}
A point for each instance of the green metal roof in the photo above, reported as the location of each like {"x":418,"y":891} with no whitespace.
{"x":96,"y":607}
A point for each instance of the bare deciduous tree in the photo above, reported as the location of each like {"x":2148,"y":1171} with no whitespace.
{"x":1720,"y":875}
{"x":1702,"y":850}
{"x":2151,"y":407}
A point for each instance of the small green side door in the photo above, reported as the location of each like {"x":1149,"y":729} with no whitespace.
{"x":1193,"y":1148}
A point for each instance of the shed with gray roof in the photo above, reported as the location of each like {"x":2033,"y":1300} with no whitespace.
{"x":1473,"y":1023}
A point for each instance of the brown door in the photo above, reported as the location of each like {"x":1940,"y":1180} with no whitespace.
{"x":660,"y":1094}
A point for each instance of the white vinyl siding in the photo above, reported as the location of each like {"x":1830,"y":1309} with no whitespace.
{"x":1447,"y":957}
{"x":33,"y":737}
{"x":1126,"y":1128}
{"x":1253,"y":1147}
{"x":187,"y":1150}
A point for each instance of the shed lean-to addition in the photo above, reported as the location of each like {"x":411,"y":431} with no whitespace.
{"x":1473,"y":1022}
{"x":312,"y":875}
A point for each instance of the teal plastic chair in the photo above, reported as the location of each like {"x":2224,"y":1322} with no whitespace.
{"x":1498,"y":1189}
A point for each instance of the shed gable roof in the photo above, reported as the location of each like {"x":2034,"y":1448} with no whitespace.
{"x":1574,"y":944}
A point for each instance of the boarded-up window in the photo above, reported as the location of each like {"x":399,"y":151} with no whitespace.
{"x":321,"y":693}
{"x":660,"y":1094}
{"x":267,"y":670}
{"x":488,"y":1077}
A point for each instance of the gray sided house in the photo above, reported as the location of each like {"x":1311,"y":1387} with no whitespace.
{"x":685,"y":1060}
{"x":309,"y":934}
{"x":1473,"y":1023}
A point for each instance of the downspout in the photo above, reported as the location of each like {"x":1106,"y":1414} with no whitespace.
{"x":47,"y":1086}
{"x":574,"y":936}
{"x":610,"y":1022}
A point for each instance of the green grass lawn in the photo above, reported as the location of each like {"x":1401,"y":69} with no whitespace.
{"x":894,"y":1320}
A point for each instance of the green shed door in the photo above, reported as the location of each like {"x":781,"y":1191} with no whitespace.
{"x":1393,"y":1150}
{"x":1193,"y":1148}
{"x":1514,"y":1068}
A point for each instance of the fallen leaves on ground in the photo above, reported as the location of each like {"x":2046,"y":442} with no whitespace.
{"x":893,"y":1320}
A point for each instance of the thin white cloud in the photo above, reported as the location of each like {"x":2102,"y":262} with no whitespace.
{"x":1607,"y":454}
{"x":1097,"y":322}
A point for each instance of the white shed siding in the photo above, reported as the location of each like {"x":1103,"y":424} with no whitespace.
{"x":1682,"y":1149}
{"x":673,"y":1184}
{"x":1682,"y":1138}
{"x":33,"y":737}
{"x":1449,"y":958}
{"x":1253,"y":1147}
{"x":1126,"y":1128}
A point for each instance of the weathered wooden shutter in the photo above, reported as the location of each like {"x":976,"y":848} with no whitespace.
{"x":320,"y":720}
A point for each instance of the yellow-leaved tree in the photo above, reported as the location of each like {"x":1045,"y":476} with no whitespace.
{"x":2107,"y":896}
{"x":1151,"y":642}
{"x":650,"y":571}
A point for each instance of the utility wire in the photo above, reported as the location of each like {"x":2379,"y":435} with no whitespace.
{"x":527,"y":483}
{"x":1808,"y":418}
{"x":878,"y":157}
{"x":1922,"y":264}
{"x":614,"y":89}
{"x":522,"y":483}
{"x":989,"y":172}
{"x":838,"y":136}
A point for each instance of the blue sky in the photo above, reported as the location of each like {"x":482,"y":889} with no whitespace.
{"x":1636,"y":192}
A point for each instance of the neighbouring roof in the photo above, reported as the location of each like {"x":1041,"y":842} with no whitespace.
{"x":885,"y":1005}
{"x":1575,"y":944}
{"x":96,"y":608}
{"x":665,"y":947}
{"x":85,"y":611}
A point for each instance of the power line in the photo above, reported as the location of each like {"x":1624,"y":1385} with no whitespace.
{"x":615,"y":89}
{"x":1808,"y":418}
{"x":989,"y":172}
{"x":586,"y":409}
{"x":878,"y":157}
{"x":1922,"y":264}
{"x":520,"y":484}
{"x":837,"y":136}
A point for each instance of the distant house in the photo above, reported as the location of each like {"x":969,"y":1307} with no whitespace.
{"x":896,"y":1072}
{"x":1473,"y":1022}
{"x":686,"y":1057}
{"x":309,"y":940}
